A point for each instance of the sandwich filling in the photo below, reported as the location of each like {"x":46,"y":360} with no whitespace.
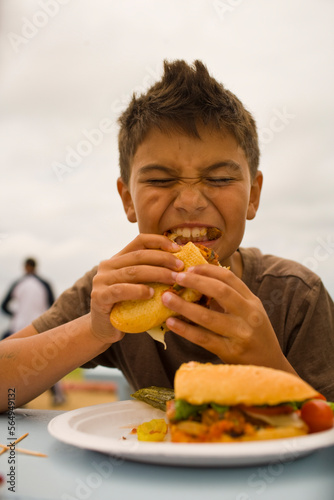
{"x":211,"y":422}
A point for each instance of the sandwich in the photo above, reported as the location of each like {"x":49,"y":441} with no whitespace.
{"x":135,"y":316}
{"x":231,"y":403}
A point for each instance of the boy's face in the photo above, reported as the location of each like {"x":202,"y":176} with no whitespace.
{"x":183,"y":184}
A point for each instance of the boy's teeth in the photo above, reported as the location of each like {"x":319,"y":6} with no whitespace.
{"x":182,"y":235}
{"x":191,"y":232}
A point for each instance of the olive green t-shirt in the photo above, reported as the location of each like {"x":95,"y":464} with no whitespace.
{"x":297,"y":303}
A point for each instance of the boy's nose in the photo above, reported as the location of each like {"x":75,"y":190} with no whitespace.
{"x":190,"y":198}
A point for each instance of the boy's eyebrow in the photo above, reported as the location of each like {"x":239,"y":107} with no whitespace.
{"x":231,"y":164}
{"x":154,"y":166}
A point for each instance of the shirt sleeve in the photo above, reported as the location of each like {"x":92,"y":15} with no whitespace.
{"x":71,"y":304}
{"x":310,"y":347}
{"x":6,"y":301}
{"x":48,"y":290}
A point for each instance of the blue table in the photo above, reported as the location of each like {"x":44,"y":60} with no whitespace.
{"x":70,"y":473}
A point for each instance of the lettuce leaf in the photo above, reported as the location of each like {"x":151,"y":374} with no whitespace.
{"x":185,"y":410}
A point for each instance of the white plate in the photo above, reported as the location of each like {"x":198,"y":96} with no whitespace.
{"x":107,"y":428}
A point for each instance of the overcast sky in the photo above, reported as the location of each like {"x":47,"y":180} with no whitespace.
{"x":68,"y":67}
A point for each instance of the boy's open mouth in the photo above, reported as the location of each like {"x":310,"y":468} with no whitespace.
{"x":182,"y":235}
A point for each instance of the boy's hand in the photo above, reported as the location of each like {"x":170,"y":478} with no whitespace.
{"x":123,"y":277}
{"x":236,"y":327}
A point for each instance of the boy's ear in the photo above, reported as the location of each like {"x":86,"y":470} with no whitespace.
{"x":127,"y":200}
{"x":254,"y":199}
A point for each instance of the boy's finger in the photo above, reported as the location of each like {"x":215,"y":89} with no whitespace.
{"x":225,"y":275}
{"x":218,"y":322}
{"x":150,"y":241}
{"x":225,"y":295}
{"x":216,"y":343}
{"x":145,"y":257}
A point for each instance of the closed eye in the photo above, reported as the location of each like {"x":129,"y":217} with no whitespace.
{"x":161,"y":182}
{"x":211,"y":181}
{"x":218,"y":181}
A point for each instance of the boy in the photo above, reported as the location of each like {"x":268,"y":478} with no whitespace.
{"x":189,"y":160}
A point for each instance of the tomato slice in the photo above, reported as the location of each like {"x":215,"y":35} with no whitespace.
{"x":318,"y":415}
{"x":268,"y":410}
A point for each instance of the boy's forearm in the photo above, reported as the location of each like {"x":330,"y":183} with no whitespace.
{"x":30,"y":365}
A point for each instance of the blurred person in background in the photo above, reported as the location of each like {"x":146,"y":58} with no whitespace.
{"x":27,"y":298}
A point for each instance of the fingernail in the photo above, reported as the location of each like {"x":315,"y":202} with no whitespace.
{"x":171,"y":322}
{"x":151,"y":290}
{"x":175,"y":246}
{"x":166,"y":297}
{"x":180,"y":277}
{"x":179,"y":264}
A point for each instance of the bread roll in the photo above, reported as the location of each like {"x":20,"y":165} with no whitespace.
{"x":236,"y":384}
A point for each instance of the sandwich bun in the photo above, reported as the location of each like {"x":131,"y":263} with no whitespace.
{"x":200,"y":383}
{"x":135,"y":316}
